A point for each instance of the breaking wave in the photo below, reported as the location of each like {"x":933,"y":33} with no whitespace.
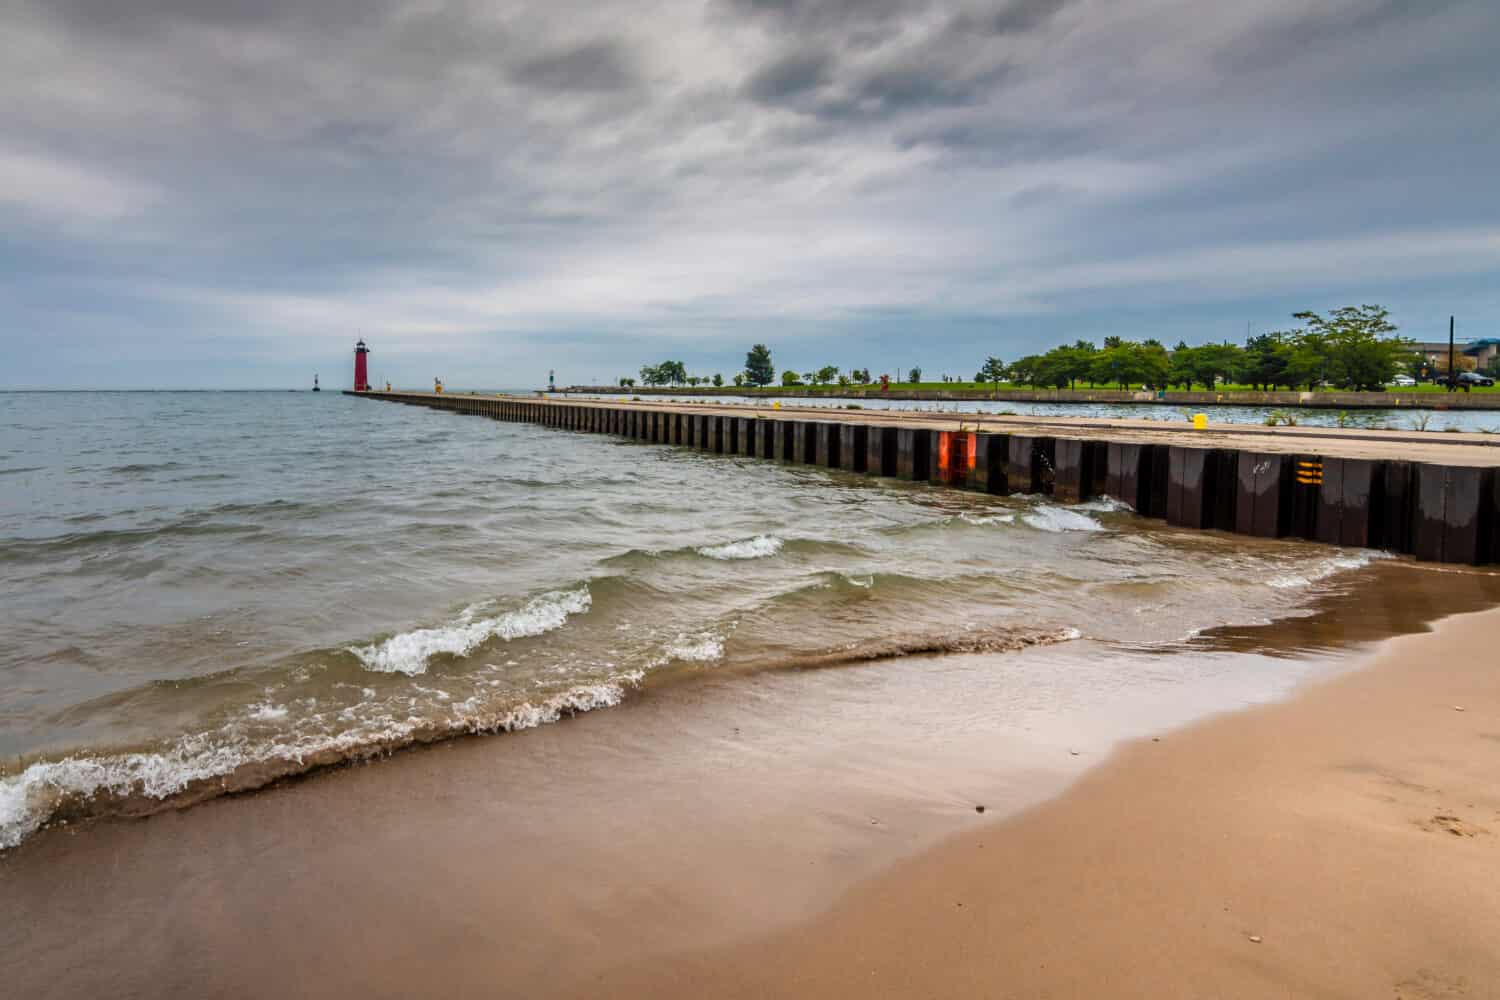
{"x":1323,"y":569}
{"x":201,"y":766}
{"x":249,"y":752}
{"x":701,"y":647}
{"x":758,"y":547}
{"x":983,"y":519}
{"x":1060,"y":519}
{"x":409,"y":652}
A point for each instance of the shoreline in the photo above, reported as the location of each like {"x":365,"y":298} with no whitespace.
{"x":1396,"y":399}
{"x":688,"y":825}
{"x":1340,"y":843}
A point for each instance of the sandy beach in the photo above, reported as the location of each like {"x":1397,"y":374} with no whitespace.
{"x":1342,"y":844}
{"x":817,"y":833}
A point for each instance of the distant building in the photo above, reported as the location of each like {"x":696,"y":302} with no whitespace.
{"x":1469,"y":355}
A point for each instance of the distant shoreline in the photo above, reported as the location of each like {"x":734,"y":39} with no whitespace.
{"x":1302,"y":400}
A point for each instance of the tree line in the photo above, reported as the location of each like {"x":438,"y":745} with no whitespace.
{"x":1355,"y":348}
{"x":759,"y":371}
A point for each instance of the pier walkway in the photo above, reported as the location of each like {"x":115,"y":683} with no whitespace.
{"x":1433,"y":495}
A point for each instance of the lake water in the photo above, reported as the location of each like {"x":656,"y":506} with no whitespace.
{"x":204,"y":592}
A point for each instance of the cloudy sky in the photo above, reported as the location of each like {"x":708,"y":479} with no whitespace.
{"x":229,"y":192}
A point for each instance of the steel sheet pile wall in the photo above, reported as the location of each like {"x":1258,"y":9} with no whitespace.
{"x":1436,"y":512}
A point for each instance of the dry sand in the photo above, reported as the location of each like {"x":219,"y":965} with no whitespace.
{"x":1343,"y":844}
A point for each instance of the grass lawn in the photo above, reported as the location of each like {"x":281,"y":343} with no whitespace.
{"x":835,"y":390}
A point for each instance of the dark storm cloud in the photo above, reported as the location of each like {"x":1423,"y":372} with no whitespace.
{"x":593,"y":66}
{"x":790,"y":75}
{"x":1012,"y":18}
{"x":840,"y":15}
{"x":913,"y":86}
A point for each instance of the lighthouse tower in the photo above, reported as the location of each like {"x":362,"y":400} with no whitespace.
{"x":361,"y":368}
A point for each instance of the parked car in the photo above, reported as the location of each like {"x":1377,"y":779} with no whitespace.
{"x":1405,"y":381}
{"x":1465,"y":380}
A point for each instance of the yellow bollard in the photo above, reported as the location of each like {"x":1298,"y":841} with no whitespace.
{"x":776,"y":404}
{"x":1200,"y":421}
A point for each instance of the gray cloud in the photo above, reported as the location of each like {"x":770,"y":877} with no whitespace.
{"x":839,"y":16}
{"x":791,"y":75}
{"x":512,"y":175}
{"x":1016,"y":17}
{"x":592,"y":66}
{"x":913,"y":85}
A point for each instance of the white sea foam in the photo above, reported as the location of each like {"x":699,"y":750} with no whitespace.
{"x":1059,"y":519}
{"x":29,"y":799}
{"x":749,"y":548}
{"x":702,"y":647}
{"x":409,"y":652}
{"x":1323,"y":569}
{"x":981,"y":519}
{"x":267,"y":712}
{"x":1105,"y":505}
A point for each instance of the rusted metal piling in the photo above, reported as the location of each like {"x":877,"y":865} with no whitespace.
{"x":1329,"y":489}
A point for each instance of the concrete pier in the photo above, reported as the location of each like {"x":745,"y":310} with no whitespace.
{"x":1433,"y":496}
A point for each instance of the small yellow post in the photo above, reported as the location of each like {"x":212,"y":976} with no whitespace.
{"x":776,"y":404}
{"x":1200,"y":421}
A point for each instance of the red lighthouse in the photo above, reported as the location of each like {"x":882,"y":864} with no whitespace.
{"x":361,"y":368}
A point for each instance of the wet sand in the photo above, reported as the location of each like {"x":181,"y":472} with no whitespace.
{"x":813,"y":832}
{"x":1343,"y":844}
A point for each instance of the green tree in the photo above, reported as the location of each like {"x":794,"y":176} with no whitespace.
{"x":739,"y":378}
{"x":915,"y":375}
{"x":790,"y":377}
{"x":1307,"y":363}
{"x":1062,"y":367}
{"x":1266,"y":361}
{"x":1153,"y":363}
{"x":1206,"y":365}
{"x":718,"y":379}
{"x":1124,"y":363}
{"x":1027,"y":370}
{"x":1055,"y":369}
{"x":758,"y":369}
{"x":993,"y":371}
{"x":666,"y":373}
{"x":1361,"y":352}
{"x":827,"y":374}
{"x":1119,"y":364}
